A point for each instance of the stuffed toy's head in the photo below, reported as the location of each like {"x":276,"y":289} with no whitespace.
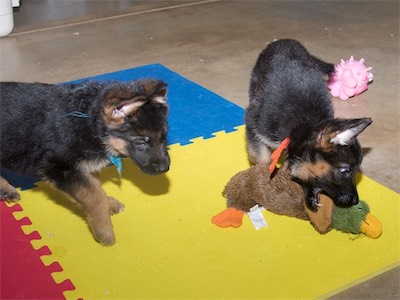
{"x":357,"y":219}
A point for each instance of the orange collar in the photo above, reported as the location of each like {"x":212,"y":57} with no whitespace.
{"x":277,"y":153}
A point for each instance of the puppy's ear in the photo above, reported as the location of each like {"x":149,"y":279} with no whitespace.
{"x":341,"y":132}
{"x":122,"y":103}
{"x":126,"y":108}
{"x":155,"y":90}
{"x":160,"y":96}
{"x":116,"y":111}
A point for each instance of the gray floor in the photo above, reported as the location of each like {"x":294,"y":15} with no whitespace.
{"x":216,"y":43}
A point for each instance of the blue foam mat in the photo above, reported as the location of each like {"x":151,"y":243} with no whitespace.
{"x":194,"y":110}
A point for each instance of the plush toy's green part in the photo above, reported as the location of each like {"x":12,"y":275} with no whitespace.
{"x":349,"y":219}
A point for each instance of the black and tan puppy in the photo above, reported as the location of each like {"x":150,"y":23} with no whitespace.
{"x":289,"y":98}
{"x":63,"y":133}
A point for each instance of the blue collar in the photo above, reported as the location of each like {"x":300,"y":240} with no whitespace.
{"x":116,"y":161}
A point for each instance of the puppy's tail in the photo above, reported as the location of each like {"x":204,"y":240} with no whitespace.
{"x":324,"y":67}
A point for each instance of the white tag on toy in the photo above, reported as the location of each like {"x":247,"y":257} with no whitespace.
{"x":256,"y":217}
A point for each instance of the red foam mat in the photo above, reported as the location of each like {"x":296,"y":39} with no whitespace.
{"x":23,"y":274}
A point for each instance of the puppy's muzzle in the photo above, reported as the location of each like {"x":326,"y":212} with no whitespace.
{"x":157,"y":167}
{"x":346,"y":200}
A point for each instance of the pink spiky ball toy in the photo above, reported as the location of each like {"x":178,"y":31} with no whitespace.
{"x":350,"y":78}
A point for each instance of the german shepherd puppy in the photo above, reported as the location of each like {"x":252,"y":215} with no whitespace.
{"x":63,"y":133}
{"x":289,"y":98}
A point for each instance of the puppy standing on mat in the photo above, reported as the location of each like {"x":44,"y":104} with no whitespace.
{"x":290,"y":104}
{"x":63,"y":133}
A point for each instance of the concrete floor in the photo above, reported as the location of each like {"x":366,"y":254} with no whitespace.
{"x":216,"y":43}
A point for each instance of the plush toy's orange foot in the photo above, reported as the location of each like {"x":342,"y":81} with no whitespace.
{"x":229,"y":217}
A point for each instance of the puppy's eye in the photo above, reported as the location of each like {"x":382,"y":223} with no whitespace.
{"x":346,"y":169}
{"x":142,"y":141}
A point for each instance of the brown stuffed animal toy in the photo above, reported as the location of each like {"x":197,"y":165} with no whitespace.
{"x":278,"y":194}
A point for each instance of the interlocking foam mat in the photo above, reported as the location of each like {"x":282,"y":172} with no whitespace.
{"x":167,"y":246}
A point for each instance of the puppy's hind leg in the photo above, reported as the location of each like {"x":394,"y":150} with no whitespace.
{"x":8,"y":192}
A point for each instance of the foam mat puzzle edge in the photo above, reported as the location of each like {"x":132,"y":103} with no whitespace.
{"x":27,"y":261}
{"x":42,"y":250}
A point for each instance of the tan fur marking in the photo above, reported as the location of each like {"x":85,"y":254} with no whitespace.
{"x":92,"y":167}
{"x":306,"y":170}
{"x":118,"y":145}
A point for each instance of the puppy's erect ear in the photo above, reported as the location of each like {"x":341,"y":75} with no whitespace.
{"x":117,"y":110}
{"x":125,"y":109}
{"x":350,"y":129}
{"x":341,"y":132}
{"x":154,"y":89}
{"x":123,"y":102}
{"x":161,"y":95}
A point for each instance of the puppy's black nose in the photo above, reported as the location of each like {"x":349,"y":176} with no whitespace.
{"x":347,"y":200}
{"x":161,"y":168}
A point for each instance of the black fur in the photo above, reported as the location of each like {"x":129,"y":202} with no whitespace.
{"x":63,"y":132}
{"x":289,"y":98}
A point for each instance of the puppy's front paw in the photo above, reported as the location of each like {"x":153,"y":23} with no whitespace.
{"x":10,"y":195}
{"x":101,"y":227}
{"x":105,"y":238}
{"x":103,"y":232}
{"x":115,"y":206}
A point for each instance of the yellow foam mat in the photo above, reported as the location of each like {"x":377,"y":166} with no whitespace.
{"x":167,"y":246}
